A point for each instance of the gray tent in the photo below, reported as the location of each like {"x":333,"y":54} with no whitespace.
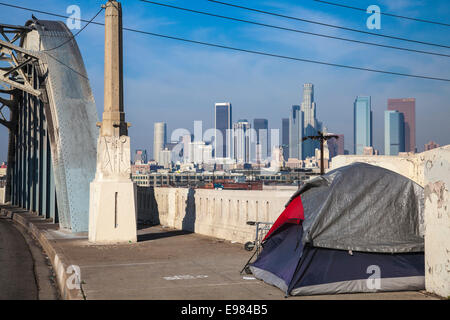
{"x":338,"y":226}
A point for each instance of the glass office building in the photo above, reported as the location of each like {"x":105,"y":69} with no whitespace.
{"x":394,"y":132}
{"x":261,"y":127}
{"x":296,"y":133}
{"x":362,"y":125}
{"x":222,"y":124}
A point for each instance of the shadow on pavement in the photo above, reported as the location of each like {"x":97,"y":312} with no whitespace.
{"x":159,"y":235}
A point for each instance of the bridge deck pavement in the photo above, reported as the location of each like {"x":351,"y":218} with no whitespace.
{"x":173,"y":264}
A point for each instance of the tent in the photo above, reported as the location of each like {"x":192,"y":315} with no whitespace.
{"x":358,"y":228}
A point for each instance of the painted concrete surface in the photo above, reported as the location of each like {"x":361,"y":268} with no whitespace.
{"x":112,"y":212}
{"x":437,"y":221}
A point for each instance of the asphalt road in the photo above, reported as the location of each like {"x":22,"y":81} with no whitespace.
{"x":17,"y":277}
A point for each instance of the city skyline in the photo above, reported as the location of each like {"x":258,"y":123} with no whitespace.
{"x":180,"y":88}
{"x":360,"y":103}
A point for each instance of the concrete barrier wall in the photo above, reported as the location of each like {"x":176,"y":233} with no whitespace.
{"x":437,"y":220}
{"x":218,"y":213}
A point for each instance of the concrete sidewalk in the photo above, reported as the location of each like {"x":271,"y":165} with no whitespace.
{"x":164,"y":264}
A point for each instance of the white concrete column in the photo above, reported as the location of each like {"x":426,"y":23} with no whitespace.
{"x":112,"y":207}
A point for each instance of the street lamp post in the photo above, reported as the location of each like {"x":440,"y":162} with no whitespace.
{"x":321,"y":137}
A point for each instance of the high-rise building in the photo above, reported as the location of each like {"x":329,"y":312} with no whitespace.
{"x":241,"y":143}
{"x":186,"y":140}
{"x":140,"y":157}
{"x":285,"y":137}
{"x":340,"y":145}
{"x":200,"y":152}
{"x":431,"y":145}
{"x":310,"y":125}
{"x":159,"y":139}
{"x":407,"y":106}
{"x":394,"y":133}
{"x":222,"y":124}
{"x":336,"y":146}
{"x":165,"y":158}
{"x":261,"y":127}
{"x":295,"y":133}
{"x":362,"y":123}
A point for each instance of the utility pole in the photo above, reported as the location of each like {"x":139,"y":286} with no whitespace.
{"x":321,"y":137}
{"x":112,"y":208}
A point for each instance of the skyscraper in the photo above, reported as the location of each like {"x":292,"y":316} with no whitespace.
{"x":394,"y":133}
{"x":285,"y":137}
{"x":140,"y":157}
{"x":362,"y":123}
{"x":407,"y":106}
{"x":241,"y":143}
{"x":310,"y":125}
{"x":336,"y":146}
{"x":159,"y":139}
{"x":296,"y":121}
{"x":261,"y":127}
{"x":222,"y":124}
{"x":186,"y":140}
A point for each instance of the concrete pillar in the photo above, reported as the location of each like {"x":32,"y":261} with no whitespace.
{"x":437,"y":220}
{"x":112,"y":206}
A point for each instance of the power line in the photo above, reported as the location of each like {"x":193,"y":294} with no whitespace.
{"x":385,"y":13}
{"x":295,"y":30}
{"x":73,"y":36}
{"x":329,"y":25}
{"x":286,"y":57}
{"x":67,"y":66}
{"x":265,"y":53}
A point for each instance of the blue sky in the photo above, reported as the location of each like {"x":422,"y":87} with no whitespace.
{"x":175,"y":82}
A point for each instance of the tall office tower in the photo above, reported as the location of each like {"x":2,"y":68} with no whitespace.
{"x":140,"y":157}
{"x":362,"y":123}
{"x":340,"y":145}
{"x":407,"y":106}
{"x":186,"y":140}
{"x":261,"y":127}
{"x":394,"y":133}
{"x":285,"y":137}
{"x":295,"y":133}
{"x":200,"y":152}
{"x":165,"y":158}
{"x":222,"y":124}
{"x":336,"y":146}
{"x":310,"y":125}
{"x":241,"y":143}
{"x":159,"y":139}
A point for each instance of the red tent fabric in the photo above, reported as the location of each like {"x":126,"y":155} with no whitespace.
{"x":293,"y":213}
